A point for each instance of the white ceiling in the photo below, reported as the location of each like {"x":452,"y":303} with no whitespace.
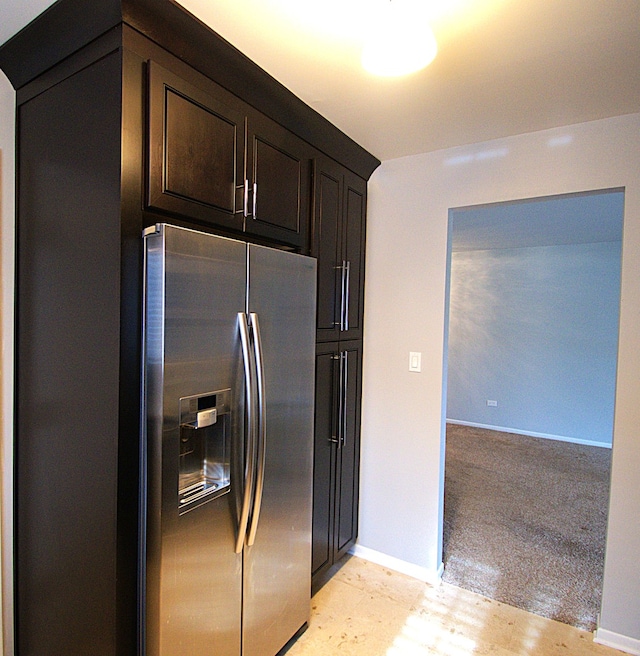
{"x":504,"y":67}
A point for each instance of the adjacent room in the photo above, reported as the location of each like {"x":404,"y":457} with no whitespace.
{"x":532,"y":349}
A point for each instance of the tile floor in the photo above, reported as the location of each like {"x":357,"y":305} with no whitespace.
{"x":368,"y":610}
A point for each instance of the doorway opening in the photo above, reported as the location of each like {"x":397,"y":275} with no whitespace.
{"x":533,"y":292}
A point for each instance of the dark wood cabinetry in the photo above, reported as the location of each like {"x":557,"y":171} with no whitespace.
{"x":336,"y":453}
{"x":129,"y":112}
{"x":338,"y":242}
{"x":196,"y":141}
{"x":279,"y":182}
{"x":214,"y":159}
{"x":340,"y":199}
{"x":68,"y":369}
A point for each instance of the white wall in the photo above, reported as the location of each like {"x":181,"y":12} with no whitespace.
{"x":402,"y":444}
{"x":7,"y":169}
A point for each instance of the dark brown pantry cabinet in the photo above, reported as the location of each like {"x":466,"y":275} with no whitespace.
{"x":336,"y":454}
{"x":130,"y":113}
{"x":340,"y":201}
{"x":338,"y":242}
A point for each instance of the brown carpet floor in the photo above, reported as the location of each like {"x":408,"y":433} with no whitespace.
{"x":525,"y":521}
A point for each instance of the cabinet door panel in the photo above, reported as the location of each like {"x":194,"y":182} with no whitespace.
{"x":323,"y":461}
{"x":355,"y":202}
{"x":349,"y":455}
{"x":279,"y":182}
{"x":196,"y":150}
{"x":274,"y":206}
{"x":206,"y":141}
{"x":326,"y":246}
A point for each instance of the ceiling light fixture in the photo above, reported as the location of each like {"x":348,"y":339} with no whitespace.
{"x":400,"y":40}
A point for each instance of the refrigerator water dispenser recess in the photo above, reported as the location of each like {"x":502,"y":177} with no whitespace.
{"x":204,"y":448}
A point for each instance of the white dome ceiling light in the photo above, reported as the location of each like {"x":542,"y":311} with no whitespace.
{"x":399,"y":40}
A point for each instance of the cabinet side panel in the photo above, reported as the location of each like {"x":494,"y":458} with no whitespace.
{"x":67,"y":359}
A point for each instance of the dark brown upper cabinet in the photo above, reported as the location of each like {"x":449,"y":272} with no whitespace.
{"x":339,"y":244}
{"x":196,"y":147}
{"x":279,"y":179}
{"x":214,"y":159}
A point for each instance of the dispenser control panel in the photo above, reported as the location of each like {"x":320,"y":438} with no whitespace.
{"x":204,"y":448}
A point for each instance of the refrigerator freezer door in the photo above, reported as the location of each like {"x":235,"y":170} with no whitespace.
{"x":196,"y":286}
{"x":277,"y":565}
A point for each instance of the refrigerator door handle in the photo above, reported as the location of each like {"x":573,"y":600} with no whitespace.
{"x":250,"y":455}
{"x":262,"y":427}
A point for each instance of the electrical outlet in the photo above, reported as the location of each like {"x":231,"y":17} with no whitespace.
{"x":492,"y":404}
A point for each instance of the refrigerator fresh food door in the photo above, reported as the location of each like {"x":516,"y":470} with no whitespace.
{"x":277,"y":557}
{"x":194,"y":396}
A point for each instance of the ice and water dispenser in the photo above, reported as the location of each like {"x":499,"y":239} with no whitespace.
{"x":204,"y":448}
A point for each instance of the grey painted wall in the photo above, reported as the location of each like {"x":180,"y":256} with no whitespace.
{"x":536,"y":330}
{"x":402,"y":482}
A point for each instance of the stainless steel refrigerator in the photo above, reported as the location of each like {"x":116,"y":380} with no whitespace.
{"x":228,"y":393}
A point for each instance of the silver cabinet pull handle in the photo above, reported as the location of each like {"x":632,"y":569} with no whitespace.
{"x":343,"y":293}
{"x":347,"y":287}
{"x":250,"y":456}
{"x":255,"y":200}
{"x":262,"y":427}
{"x":245,"y":209}
{"x":335,"y":411}
{"x":341,"y":402}
{"x":344,"y":391}
{"x":339,"y":324}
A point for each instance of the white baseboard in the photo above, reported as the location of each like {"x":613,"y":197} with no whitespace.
{"x":433,"y":577}
{"x":546,"y":436}
{"x":617,"y":641}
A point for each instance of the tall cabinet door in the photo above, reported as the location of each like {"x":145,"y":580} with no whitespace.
{"x":353,"y":252}
{"x":327,"y":245}
{"x":336,"y":453}
{"x":339,"y":244}
{"x":348,"y":449}
{"x":324,"y":462}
